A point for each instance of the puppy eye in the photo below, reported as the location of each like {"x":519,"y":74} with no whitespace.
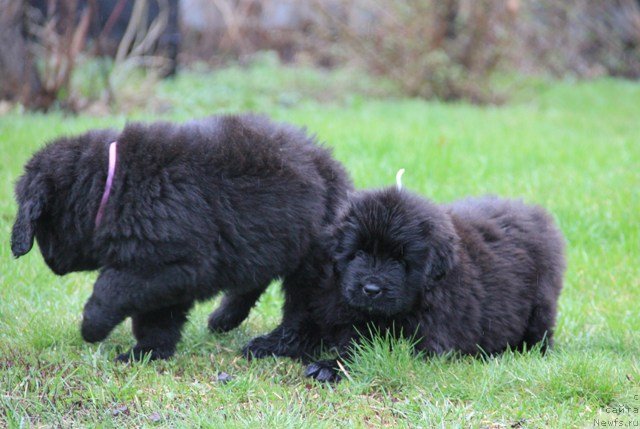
{"x":358,"y":254}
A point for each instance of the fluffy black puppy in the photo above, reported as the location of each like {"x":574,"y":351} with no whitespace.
{"x":222,"y":204}
{"x":477,"y":276}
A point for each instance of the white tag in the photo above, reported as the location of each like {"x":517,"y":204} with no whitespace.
{"x":399,"y":179}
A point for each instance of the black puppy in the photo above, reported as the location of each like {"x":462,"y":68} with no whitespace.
{"x":477,"y":276}
{"x":172,"y":214}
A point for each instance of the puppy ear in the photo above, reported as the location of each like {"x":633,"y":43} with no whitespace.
{"x":334,"y":252}
{"x":336,"y":249}
{"x":443,"y":257}
{"x":31,"y":193}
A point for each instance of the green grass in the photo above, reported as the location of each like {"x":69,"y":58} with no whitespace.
{"x":572,"y":147}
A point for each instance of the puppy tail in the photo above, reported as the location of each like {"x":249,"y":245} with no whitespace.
{"x":399,"y":179}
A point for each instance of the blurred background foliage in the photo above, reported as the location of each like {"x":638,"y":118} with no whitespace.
{"x":104,"y":55}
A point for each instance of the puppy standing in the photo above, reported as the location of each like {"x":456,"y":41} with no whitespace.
{"x":171,"y":214}
{"x":477,"y":276}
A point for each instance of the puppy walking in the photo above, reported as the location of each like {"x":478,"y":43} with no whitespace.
{"x":476,"y":276}
{"x":173,"y":214}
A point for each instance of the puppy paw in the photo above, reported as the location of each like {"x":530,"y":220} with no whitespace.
{"x":98,"y":321}
{"x":261,"y":347}
{"x":95,"y":329}
{"x":223,"y":322}
{"x":283,"y":341}
{"x":324,"y":371}
{"x":138,"y":354}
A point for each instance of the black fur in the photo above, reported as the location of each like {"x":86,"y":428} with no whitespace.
{"x":477,"y":276}
{"x":222,"y":204}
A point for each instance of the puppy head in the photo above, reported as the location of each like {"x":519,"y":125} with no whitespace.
{"x":390,"y":246}
{"x":53,"y":205}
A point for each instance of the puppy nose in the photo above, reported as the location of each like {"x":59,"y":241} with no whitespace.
{"x":371,"y":290}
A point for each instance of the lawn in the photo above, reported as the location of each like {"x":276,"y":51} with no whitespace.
{"x":573,"y":147}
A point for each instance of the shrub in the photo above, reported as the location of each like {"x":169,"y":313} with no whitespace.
{"x":582,"y":37}
{"x":45,"y":50}
{"x":446,"y":49}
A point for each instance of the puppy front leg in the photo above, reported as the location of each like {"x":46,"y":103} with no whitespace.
{"x":324,"y":371}
{"x":105,"y":308}
{"x":118,"y":294}
{"x":233,"y":310}
{"x":157,"y":332}
{"x":328,"y":370}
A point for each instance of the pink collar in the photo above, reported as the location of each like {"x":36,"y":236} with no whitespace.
{"x":107,"y":187}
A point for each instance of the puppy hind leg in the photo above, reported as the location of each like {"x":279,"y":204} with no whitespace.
{"x":232,"y":311}
{"x":543,"y":314}
{"x":539,"y":328}
{"x":295,"y":338}
{"x":157,"y":332}
{"x":297,"y":335}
